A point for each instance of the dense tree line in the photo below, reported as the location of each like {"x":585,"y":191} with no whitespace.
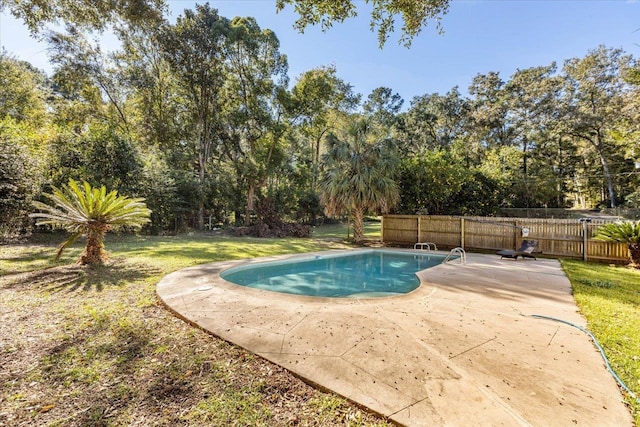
{"x":199,"y":117}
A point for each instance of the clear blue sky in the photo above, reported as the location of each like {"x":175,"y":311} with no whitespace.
{"x":480,"y":36}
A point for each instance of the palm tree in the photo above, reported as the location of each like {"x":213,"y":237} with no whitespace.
{"x":623,"y":232}
{"x":358,"y":175}
{"x":91,"y":212}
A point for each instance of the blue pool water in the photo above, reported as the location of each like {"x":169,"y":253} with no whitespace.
{"x":372,"y":273}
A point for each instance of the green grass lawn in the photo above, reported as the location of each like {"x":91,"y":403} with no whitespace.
{"x":93,"y":346}
{"x":609,"y":298}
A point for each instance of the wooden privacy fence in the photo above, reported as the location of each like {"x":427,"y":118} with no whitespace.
{"x":556,"y":237}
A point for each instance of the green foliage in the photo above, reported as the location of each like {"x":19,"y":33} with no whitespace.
{"x":23,"y":91}
{"x":256,"y":75}
{"x":91,"y":212}
{"x":75,"y":207}
{"x":81,"y":69}
{"x":316,"y":93}
{"x":594,"y":96}
{"x":430,"y":182}
{"x":314,"y":106}
{"x":113,"y":161}
{"x":622,"y":232}
{"x":194,"y":49}
{"x":98,"y":155}
{"x":382,"y":106}
{"x":415,"y":15}
{"x":158,"y":187}
{"x":67,"y":159}
{"x":308,"y":207}
{"x":155,"y":102}
{"x":633,"y":200}
{"x":22,"y":170}
{"x":434,"y":122}
{"x":196,"y":116}
{"x":479,"y":195}
{"x":17,"y":186}
{"x":37,"y":15}
{"x":439,"y":183}
{"x":627,"y":232}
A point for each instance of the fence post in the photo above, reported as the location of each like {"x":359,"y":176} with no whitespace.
{"x":462,"y":232}
{"x":584,"y":222}
{"x":419,"y":228}
{"x":584,"y":241}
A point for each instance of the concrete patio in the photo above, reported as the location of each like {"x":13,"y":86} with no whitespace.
{"x":459,"y":350}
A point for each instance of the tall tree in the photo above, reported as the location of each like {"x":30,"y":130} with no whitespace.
{"x":317,"y":101}
{"x":154,"y":92}
{"x":383,"y":106}
{"x":80,"y":64}
{"x":593,"y":104}
{"x":256,"y":80}
{"x":434,"y":121}
{"x":532,"y":97}
{"x":490,"y":109}
{"x":195,"y":49}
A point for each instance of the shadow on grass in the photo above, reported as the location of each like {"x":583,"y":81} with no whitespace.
{"x":72,"y":278}
{"x":26,"y":258}
{"x":65,"y":364}
{"x":93,"y":362}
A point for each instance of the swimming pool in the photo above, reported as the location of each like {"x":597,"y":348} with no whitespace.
{"x":361,"y":274}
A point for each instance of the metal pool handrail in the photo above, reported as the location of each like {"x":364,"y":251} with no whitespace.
{"x":459,"y":252}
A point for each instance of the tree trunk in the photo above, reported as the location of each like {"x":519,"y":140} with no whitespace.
{"x":358,"y":225}
{"x":200,"y":215}
{"x":250,"y":201}
{"x":204,"y":145}
{"x":605,"y":168}
{"x":525,"y":171}
{"x":634,"y":254}
{"x":607,"y":175}
{"x":315,"y":160}
{"x":201,"y":176}
{"x":93,"y":252}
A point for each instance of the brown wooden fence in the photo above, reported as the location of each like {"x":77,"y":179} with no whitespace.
{"x":556,"y":237}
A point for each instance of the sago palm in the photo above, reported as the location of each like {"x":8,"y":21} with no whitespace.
{"x":84,"y":210}
{"x":623,"y":232}
{"x":358,"y":176}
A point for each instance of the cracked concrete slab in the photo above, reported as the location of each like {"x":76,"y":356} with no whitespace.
{"x":459,"y":350}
